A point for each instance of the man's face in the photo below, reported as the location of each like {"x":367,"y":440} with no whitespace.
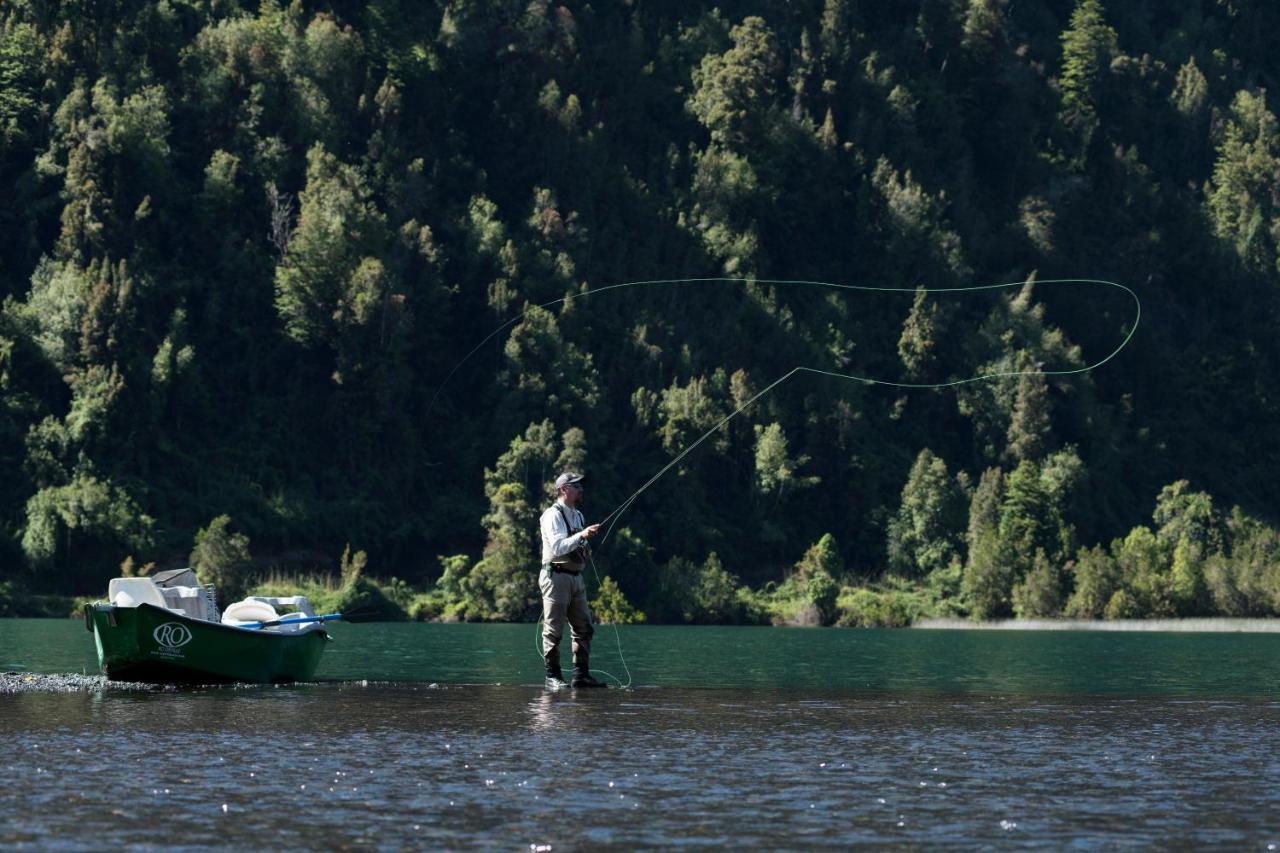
{"x":573,"y":493}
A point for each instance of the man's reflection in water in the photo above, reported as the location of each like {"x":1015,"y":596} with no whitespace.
{"x":544,"y":715}
{"x":564,"y":712}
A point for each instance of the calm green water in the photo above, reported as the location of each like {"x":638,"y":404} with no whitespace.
{"x":1037,"y":663}
{"x":441,"y":736}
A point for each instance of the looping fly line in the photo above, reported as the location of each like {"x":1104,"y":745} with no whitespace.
{"x":611,"y":520}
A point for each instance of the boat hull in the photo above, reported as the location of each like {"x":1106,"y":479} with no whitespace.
{"x":148,"y":643}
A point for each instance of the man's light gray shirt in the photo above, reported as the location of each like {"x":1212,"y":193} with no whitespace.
{"x":557,"y":540}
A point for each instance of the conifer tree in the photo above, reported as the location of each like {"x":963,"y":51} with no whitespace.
{"x":221,"y":557}
{"x":836,"y":34}
{"x":1026,"y":522}
{"x":1241,"y":197}
{"x":331,"y":279}
{"x":20,"y":77}
{"x":984,"y":506}
{"x":984,"y":26}
{"x":499,"y":585}
{"x":988,"y":573}
{"x":917,"y":346}
{"x":777,"y":471}
{"x":1030,"y":427}
{"x":1088,"y":46}
{"x":1190,"y":90}
{"x":1096,"y":579}
{"x":733,"y":90}
{"x":926,"y":533}
{"x":1039,"y":594}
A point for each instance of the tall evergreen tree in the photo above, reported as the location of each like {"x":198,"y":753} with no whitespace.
{"x":927,"y":531}
{"x":1246,"y":175}
{"x":1088,"y":46}
{"x":1030,"y":427}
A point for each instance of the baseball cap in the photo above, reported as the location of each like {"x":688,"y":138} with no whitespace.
{"x":566,"y":478}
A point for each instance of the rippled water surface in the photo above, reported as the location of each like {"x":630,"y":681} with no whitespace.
{"x":731,"y":736}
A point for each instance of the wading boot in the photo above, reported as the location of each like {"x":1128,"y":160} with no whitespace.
{"x":582,"y":676}
{"x":555,"y":677}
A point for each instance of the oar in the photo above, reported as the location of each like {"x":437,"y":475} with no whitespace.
{"x":353,"y":615}
{"x":297,"y":620}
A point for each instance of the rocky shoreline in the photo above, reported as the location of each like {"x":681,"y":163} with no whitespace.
{"x":33,"y":682}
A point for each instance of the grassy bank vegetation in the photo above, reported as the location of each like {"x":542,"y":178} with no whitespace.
{"x":1192,"y":561}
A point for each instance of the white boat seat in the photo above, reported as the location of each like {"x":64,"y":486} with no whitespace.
{"x":298,"y":602}
{"x":249,"y":610}
{"x":130,"y":592}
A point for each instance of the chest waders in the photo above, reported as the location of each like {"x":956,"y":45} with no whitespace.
{"x":564,"y":599}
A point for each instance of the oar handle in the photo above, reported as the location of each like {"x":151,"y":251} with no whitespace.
{"x":299,"y":620}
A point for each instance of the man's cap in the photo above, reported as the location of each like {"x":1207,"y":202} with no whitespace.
{"x":566,"y":478}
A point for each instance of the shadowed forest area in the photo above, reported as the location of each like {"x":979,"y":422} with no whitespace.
{"x":243,"y":244}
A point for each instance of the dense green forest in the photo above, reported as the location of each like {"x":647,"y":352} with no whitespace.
{"x":243,"y":245}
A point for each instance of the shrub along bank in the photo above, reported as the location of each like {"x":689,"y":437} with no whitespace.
{"x":1192,"y":561}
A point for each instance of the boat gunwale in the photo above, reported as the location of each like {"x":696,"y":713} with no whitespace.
{"x":184,"y":617}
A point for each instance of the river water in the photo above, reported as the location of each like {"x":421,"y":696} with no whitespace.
{"x":441,"y":736}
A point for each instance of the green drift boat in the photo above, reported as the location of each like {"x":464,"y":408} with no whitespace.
{"x":167,"y":629}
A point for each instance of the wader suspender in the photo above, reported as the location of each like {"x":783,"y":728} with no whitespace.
{"x":568,"y":527}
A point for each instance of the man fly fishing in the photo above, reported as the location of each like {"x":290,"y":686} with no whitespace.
{"x":564,"y":593}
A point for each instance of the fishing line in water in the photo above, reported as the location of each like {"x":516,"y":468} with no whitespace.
{"x":611,"y":520}
{"x":617,"y":639}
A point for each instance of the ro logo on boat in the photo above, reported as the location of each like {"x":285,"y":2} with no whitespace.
{"x":172,"y":636}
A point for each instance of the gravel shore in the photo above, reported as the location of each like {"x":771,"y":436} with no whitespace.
{"x":31,"y":682}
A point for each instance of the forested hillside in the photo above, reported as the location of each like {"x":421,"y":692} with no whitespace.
{"x":242,"y":245}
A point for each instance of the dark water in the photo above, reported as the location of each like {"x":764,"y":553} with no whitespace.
{"x":759,"y":737}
